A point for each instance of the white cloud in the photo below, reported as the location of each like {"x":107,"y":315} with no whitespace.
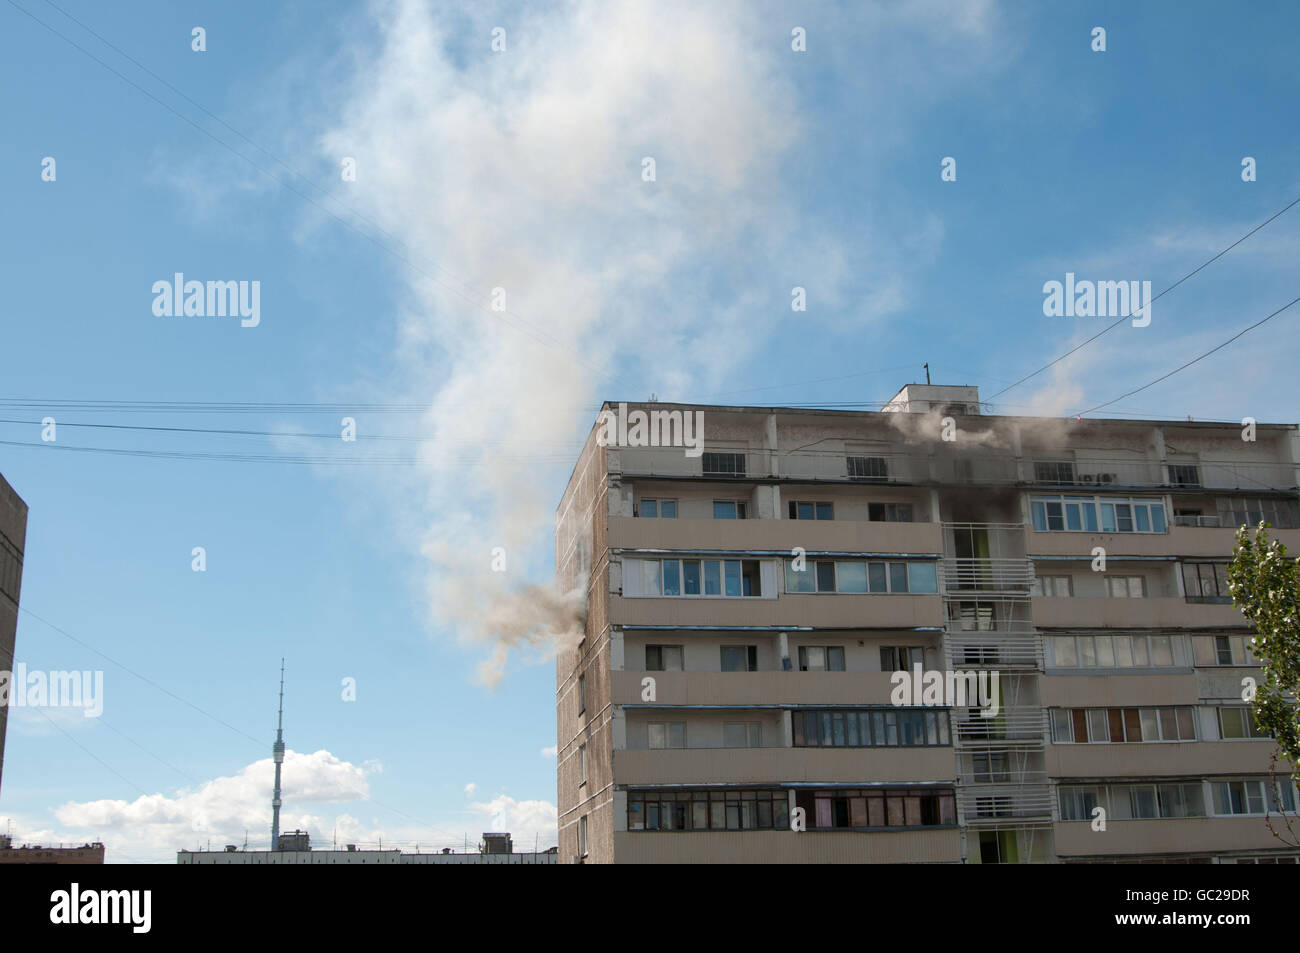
{"x":530,"y":822}
{"x":221,"y":810}
{"x":522,"y":171}
{"x":551,"y":751}
{"x":470,"y":789}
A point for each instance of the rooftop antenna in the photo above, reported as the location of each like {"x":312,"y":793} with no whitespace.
{"x":926,"y":365}
{"x":277,"y":752}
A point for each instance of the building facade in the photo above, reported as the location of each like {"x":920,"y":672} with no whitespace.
{"x":923,"y":634}
{"x":28,"y":854}
{"x":13,"y":536}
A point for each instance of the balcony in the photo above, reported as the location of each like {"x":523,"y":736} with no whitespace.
{"x":826,"y":611}
{"x":1121,"y":688}
{"x":1165,"y":759}
{"x":1185,"y":541}
{"x":1023,"y":726}
{"x":1172,"y":836}
{"x":989,"y":650}
{"x":933,"y":846}
{"x":1150,"y":613}
{"x":992,"y":805}
{"x":755,"y":688}
{"x":1097,"y":473}
{"x":776,"y":765}
{"x":965,"y":576}
{"x":773,"y":535}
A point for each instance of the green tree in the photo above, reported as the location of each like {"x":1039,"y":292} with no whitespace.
{"x":1265,"y":587}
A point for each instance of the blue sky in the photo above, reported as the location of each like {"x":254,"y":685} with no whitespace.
{"x":522,"y":169}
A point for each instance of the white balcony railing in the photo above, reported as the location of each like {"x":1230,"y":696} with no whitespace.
{"x":964,"y":575}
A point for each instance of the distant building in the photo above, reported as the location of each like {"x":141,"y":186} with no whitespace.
{"x":85,"y":854}
{"x":13,"y":534}
{"x":496,"y":849}
{"x":497,"y":844}
{"x":294,"y":840}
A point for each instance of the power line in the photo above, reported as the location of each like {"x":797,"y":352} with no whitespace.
{"x":1198,"y":268}
{"x":148,"y":681}
{"x":1194,"y":360}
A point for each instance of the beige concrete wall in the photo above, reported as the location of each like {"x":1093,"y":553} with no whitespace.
{"x":1189,"y":835}
{"x":775,"y":535}
{"x":829,"y":610}
{"x":1154,"y":613}
{"x":756,"y":688}
{"x":1164,"y":759}
{"x":1179,"y":541}
{"x":13,"y":529}
{"x":701,"y":650}
{"x":788,"y":847}
{"x":1118,"y":691}
{"x":581,"y":544}
{"x":774,"y":765}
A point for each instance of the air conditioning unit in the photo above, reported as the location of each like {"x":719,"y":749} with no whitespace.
{"x":1105,"y":478}
{"x":1088,"y":478}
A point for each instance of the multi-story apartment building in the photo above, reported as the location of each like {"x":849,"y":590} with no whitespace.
{"x":13,"y":535}
{"x":751,"y":598}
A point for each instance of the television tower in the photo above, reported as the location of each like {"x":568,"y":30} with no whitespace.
{"x":277,"y":752}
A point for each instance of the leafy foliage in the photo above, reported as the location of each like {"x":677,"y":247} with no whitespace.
{"x":1265,"y":587}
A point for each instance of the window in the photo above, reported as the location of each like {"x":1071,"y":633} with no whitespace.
{"x":806,"y":510}
{"x":582,"y":765}
{"x":1206,"y":582}
{"x":728,"y":510}
{"x":11,"y":567}
{"x":1126,"y":587}
{"x":692,"y":577}
{"x":1055,"y":586}
{"x":740,"y":658}
{"x":1090,"y":514}
{"x":889,"y":512}
{"x":876,"y":807}
{"x":990,"y":768}
{"x":703,"y":810}
{"x":1114,"y":651}
{"x":670,"y":734}
{"x":1252,"y":795}
{"x":867,"y":468}
{"x":821,"y":658}
{"x":1132,"y":801}
{"x":1054,"y":472}
{"x":901,"y":658}
{"x":1238,"y":721}
{"x":742,"y":734}
{"x":664,"y":658}
{"x":1128,"y":725}
{"x":1184,"y":474}
{"x":724,"y":464}
{"x":1244,"y":511}
{"x":1223,"y":649}
{"x":856,"y":576}
{"x":870,"y":727}
{"x":582,"y":694}
{"x":657,"y":509}
{"x":582,"y":836}
{"x":1077,"y":803}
